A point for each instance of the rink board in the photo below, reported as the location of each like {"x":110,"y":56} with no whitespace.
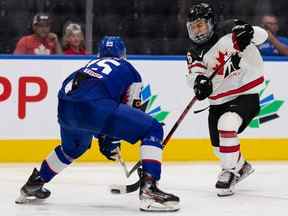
{"x":28,"y":109}
{"x":176,"y":150}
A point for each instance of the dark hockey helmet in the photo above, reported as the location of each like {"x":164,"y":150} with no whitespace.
{"x":197,"y":13}
{"x":112,"y":46}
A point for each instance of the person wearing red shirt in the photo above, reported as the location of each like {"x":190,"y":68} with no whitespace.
{"x":73,"y":40}
{"x":42,"y":41}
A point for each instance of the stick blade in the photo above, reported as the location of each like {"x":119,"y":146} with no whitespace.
{"x":124,"y":189}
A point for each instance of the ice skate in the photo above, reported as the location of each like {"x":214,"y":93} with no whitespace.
{"x":226,"y":182}
{"x":244,"y":172}
{"x":154,"y":200}
{"x":33,"y":189}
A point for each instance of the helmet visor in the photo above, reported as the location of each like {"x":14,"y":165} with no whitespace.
{"x":199,"y":30}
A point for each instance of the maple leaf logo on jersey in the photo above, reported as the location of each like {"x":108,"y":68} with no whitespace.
{"x":233,"y":64}
{"x":221,"y":60}
{"x":147,"y":105}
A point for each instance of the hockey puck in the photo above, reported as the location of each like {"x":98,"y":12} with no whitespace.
{"x":117,"y":189}
{"x":114,"y":191}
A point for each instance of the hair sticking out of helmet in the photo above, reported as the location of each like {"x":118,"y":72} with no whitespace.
{"x":200,"y":23}
{"x":112,"y":46}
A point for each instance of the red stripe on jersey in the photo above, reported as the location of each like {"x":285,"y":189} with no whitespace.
{"x":229,"y":149}
{"x":197,"y":65}
{"x":227,"y":134}
{"x":243,"y":88}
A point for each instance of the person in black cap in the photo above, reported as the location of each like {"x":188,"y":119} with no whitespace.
{"x":42,"y":41}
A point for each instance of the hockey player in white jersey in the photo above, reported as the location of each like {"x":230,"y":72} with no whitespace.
{"x":227,"y":47}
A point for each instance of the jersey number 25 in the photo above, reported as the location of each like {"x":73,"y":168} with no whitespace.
{"x":101,"y":66}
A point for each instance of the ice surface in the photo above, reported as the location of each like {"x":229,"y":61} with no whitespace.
{"x":82,"y":189}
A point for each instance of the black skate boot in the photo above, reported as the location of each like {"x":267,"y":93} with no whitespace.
{"x":244,"y":172}
{"x":33,"y":189}
{"x":226,"y":182}
{"x":154,"y":200}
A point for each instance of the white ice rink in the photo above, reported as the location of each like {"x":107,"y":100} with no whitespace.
{"x":82,"y":190}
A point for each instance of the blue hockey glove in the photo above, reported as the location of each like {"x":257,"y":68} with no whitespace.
{"x":109,"y":147}
{"x":202,"y":87}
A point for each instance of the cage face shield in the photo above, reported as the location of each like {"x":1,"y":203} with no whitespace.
{"x":200,"y":30}
{"x":200,"y":23}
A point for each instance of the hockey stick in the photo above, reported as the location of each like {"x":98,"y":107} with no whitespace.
{"x":180,"y":119}
{"x":123,"y":164}
{"x":120,"y":189}
{"x":123,"y":189}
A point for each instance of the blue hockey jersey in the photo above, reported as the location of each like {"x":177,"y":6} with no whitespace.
{"x":96,"y":92}
{"x":120,"y":78}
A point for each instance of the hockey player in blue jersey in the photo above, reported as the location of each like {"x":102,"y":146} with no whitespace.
{"x":101,"y":100}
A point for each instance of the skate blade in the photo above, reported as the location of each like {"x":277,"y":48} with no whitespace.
{"x":224,"y":192}
{"x":152,"y":206}
{"x":245,"y":176}
{"x":24,"y":199}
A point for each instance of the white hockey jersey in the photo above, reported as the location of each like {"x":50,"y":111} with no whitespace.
{"x":242,"y":73}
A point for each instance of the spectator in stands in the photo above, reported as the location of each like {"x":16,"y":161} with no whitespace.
{"x":275,"y":45}
{"x":42,"y":41}
{"x":73,"y":40}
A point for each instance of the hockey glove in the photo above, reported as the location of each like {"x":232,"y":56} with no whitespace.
{"x":109,"y":147}
{"x":242,"y":35}
{"x":202,"y":87}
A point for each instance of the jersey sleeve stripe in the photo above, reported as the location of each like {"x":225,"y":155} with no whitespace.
{"x":197,"y":65}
